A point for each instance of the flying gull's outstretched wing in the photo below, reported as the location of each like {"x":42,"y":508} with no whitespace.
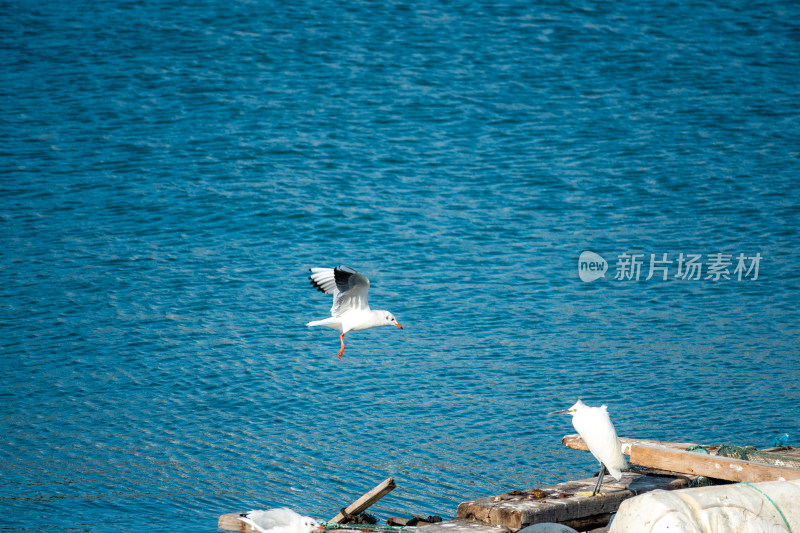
{"x":348,"y":287}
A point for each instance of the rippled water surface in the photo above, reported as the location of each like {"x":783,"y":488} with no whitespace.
{"x":170,"y":171}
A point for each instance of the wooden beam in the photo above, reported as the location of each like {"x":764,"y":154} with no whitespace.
{"x":358,"y":506}
{"x":576,"y":443}
{"x":711,"y":466}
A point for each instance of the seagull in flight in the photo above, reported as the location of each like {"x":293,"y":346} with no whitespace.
{"x":350,"y":311}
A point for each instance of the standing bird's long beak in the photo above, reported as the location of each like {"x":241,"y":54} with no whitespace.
{"x":398,"y":325}
{"x":561,"y":412}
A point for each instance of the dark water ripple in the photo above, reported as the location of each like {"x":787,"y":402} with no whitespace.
{"x":170,"y":171}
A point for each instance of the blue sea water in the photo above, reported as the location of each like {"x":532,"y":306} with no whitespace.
{"x":170,"y":170}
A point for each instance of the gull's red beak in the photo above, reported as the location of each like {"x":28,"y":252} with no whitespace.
{"x":398,"y":325}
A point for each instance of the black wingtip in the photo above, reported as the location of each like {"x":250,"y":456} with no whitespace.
{"x":316,"y":286}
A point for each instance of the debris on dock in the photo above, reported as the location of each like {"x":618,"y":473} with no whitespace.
{"x":460,"y":525}
{"x":414,"y":521}
{"x":350,"y":514}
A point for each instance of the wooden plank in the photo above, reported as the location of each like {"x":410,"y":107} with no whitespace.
{"x":576,"y":443}
{"x":566,"y":503}
{"x":358,"y":506}
{"x":711,"y":466}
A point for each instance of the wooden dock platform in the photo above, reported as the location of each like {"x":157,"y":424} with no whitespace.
{"x":566,"y":503}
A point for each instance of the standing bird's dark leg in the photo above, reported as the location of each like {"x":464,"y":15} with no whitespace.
{"x":341,"y":350}
{"x":599,"y":479}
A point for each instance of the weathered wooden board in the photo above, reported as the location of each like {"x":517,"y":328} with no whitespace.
{"x":576,"y":443}
{"x":566,"y":503}
{"x":361,"y":504}
{"x":726,"y":468}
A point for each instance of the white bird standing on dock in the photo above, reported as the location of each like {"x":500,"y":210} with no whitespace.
{"x":350,"y":311}
{"x":280,"y":520}
{"x":595,"y":428}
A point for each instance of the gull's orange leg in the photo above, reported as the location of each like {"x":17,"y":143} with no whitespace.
{"x":341,"y":350}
